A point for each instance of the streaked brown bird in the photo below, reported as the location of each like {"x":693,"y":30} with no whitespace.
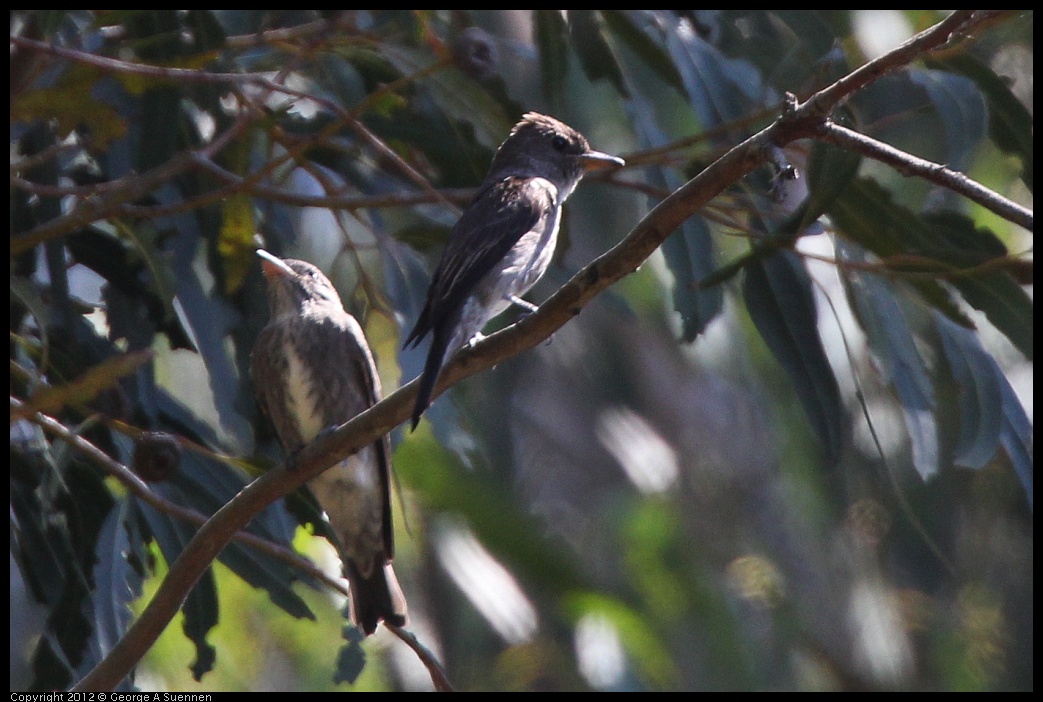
{"x":505,"y":239}
{"x":312,"y":369}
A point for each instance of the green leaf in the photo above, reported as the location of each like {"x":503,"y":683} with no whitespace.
{"x":161,"y":127}
{"x":206,"y":486}
{"x":206,"y":32}
{"x":867,"y":215}
{"x":117,"y":578}
{"x":351,"y":659}
{"x":1017,"y":439}
{"x":978,"y":376}
{"x":690,"y":255}
{"x":461,"y":98}
{"x":1010,"y":122}
{"x":72,"y":106}
{"x":944,"y":244}
{"x":900,"y":364}
{"x":779,"y":298}
{"x":985,"y":286}
{"x":235,"y":241}
{"x":200,"y":607}
{"x":103,"y":376}
{"x":960,"y":108}
{"x":595,"y":55}
{"x":652,"y":53}
{"x":58,"y":507}
{"x":720,"y":89}
{"x":991,"y":415}
{"x":551,"y":34}
{"x":209,"y":318}
{"x":830,"y":171}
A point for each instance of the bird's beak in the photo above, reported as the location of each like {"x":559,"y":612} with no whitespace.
{"x":273,"y":266}
{"x":596,"y":161}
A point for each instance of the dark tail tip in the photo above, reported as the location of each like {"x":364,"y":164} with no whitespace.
{"x":423,"y":398}
{"x":376,"y":598}
{"x":432,"y":369}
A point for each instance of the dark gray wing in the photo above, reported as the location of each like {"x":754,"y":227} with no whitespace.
{"x":500,"y":214}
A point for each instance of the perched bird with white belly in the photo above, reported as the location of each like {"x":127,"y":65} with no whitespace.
{"x":312,"y":369}
{"x":505,"y":239}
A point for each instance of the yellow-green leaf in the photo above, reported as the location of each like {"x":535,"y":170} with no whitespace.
{"x":236,"y":240}
{"x":83,"y":389}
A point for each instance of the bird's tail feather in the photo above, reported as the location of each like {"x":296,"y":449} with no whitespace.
{"x":378,"y":597}
{"x":432,"y":369}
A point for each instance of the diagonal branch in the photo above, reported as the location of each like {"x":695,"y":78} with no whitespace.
{"x":121,"y":191}
{"x":800,"y":122}
{"x":907,"y":165}
{"x":140,"y":489}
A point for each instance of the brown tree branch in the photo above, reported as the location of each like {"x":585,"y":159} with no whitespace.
{"x":140,"y":489}
{"x":123,"y":190}
{"x":434,"y":668}
{"x":910,"y":165}
{"x":332,"y":201}
{"x":960,"y":22}
{"x":802,"y":121}
{"x":191,"y":75}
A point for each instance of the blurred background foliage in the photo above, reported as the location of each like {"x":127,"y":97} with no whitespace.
{"x":793,"y":451}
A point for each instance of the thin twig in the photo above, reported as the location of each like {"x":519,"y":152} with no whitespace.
{"x":124,"y":190}
{"x":333,"y":201}
{"x":134,"y":186}
{"x":909,"y":165}
{"x":40,"y":157}
{"x":434,"y":668}
{"x":191,"y":75}
{"x":827,"y":99}
{"x":281,"y":35}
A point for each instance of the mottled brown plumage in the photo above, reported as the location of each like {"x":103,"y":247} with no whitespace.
{"x":312,"y":369}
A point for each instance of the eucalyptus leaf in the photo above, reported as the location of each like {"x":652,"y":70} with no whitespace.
{"x":200,"y":607}
{"x":901,"y":366}
{"x":351,"y":659}
{"x":961,"y":108}
{"x":1017,"y":440}
{"x":586,"y":29}
{"x":779,"y":298}
{"x":118,"y":576}
{"x":991,"y":415}
{"x":551,"y":34}
{"x":690,"y":252}
{"x":461,"y":98}
{"x":720,"y":89}
{"x":1010,"y":122}
{"x":625,"y":25}
{"x":690,"y":255}
{"x":978,"y":378}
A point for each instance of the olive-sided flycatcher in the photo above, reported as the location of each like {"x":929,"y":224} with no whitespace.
{"x":312,"y":369}
{"x":504,"y":240}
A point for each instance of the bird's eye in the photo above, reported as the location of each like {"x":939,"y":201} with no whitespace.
{"x":559,"y":142}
